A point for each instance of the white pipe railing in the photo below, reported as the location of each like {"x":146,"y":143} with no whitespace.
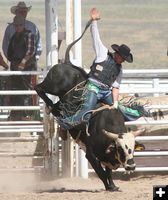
{"x":19,"y":130}
{"x":20,"y":122}
{"x":150,"y":153}
{"x":150,"y":169}
{"x":147,"y":122}
{"x":149,"y":73}
{"x":17,"y":92}
{"x":20,"y":107}
{"x":122,"y":91}
{"x":10,"y":73}
{"x":141,"y":169}
{"x":20,"y":126}
{"x":19,"y":139}
{"x":151,"y":138}
{"x":134,"y":90}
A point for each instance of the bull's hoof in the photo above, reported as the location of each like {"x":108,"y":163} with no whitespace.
{"x":113,"y":189}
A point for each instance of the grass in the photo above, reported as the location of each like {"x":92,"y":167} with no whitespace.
{"x":142,"y":24}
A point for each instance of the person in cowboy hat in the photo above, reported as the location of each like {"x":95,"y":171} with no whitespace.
{"x":21,"y":9}
{"x":20,"y":53}
{"x":104,"y":77}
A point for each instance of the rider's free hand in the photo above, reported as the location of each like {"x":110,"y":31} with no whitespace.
{"x":94,"y":14}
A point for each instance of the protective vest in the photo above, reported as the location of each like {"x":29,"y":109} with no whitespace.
{"x":17,"y":48}
{"x":106,"y":71}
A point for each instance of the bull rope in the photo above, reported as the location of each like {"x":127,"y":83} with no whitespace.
{"x":93,"y":111}
{"x":75,"y":88}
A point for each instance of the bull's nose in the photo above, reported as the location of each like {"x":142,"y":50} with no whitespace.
{"x":130,"y":165}
{"x":130,"y":168}
{"x":130,"y":162}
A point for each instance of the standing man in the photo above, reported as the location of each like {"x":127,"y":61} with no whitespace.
{"x":22,"y":10}
{"x":20,"y":53}
{"x":104,"y":77}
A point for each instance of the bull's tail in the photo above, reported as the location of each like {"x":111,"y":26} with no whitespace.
{"x":67,"y":59}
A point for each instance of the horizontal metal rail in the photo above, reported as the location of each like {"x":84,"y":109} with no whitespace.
{"x":132,"y":81}
{"x":127,"y":73}
{"x":20,"y":130}
{"x":151,"y":153}
{"x":36,"y":169}
{"x":20,"y":126}
{"x":143,"y":90}
{"x":20,"y":107}
{"x":146,"y":169}
{"x":9,"y":73}
{"x":165,"y":106}
{"x":154,"y":73}
{"x":147,"y":122}
{"x":20,"y":122}
{"x":19,"y":139}
{"x":151,"y":138}
{"x":39,"y":155}
{"x":122,"y":91}
{"x":17,"y":92}
{"x":140,"y":169}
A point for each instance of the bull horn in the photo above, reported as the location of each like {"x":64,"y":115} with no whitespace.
{"x":110,"y":135}
{"x":138,"y":132}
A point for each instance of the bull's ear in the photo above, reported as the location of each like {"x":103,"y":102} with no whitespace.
{"x":138,"y":132}
{"x":110,"y":135}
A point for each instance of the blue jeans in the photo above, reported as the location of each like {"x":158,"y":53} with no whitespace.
{"x":91,"y":96}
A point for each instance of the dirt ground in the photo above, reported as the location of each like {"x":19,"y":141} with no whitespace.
{"x":26,"y":188}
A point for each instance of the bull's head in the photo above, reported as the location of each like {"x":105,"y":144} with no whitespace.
{"x":125,"y":144}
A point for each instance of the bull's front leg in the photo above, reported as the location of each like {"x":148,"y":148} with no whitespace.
{"x":110,"y":180}
{"x":98,"y":169}
{"x":42,"y":93}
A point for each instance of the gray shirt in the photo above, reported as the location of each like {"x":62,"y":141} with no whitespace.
{"x":10,"y":30}
{"x":101,"y":51}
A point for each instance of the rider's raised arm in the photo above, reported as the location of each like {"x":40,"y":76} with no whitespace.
{"x":100,"y":49}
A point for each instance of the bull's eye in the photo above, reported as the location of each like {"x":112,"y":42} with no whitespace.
{"x":129,"y":151}
{"x":126,"y":146}
{"x":121,"y":154}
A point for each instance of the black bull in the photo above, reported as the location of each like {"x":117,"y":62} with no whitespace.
{"x":104,"y":149}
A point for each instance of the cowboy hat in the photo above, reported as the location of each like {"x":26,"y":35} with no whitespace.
{"x":21,"y":5}
{"x":124,"y":52}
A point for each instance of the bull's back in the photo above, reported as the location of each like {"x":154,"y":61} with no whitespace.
{"x":61,"y":78}
{"x":108,"y":119}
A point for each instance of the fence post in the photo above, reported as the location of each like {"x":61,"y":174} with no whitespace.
{"x":156,"y":85}
{"x":51,"y":13}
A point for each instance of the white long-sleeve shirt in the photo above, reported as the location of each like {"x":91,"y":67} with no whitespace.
{"x":98,"y":46}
